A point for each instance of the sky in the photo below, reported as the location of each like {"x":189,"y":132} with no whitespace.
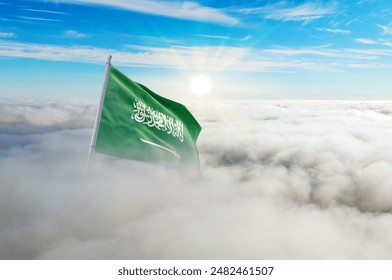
{"x":247,"y":49}
{"x":282,"y":186}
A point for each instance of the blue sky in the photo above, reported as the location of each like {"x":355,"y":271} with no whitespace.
{"x":249,"y":49}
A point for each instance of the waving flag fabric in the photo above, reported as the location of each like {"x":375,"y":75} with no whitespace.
{"x":138,"y":124}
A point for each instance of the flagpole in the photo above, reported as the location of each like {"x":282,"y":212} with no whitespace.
{"x":99,"y":113}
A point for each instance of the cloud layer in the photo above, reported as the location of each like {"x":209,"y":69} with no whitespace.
{"x":283,"y":11}
{"x":282,"y":180}
{"x":188,"y":10}
{"x":214,"y":58}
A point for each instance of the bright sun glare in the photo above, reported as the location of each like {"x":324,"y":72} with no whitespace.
{"x":200,"y":85}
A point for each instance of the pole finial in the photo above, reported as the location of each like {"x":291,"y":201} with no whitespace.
{"x":109,"y":59}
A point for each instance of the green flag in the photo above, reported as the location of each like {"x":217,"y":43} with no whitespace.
{"x":138,"y":124}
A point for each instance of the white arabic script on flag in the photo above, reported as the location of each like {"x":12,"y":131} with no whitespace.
{"x":153,"y":118}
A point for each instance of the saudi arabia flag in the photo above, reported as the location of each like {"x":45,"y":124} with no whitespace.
{"x":138,"y":124}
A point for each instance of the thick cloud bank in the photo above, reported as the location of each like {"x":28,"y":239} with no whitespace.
{"x":282,"y":180}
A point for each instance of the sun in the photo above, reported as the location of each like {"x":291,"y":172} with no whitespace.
{"x":200,"y":85}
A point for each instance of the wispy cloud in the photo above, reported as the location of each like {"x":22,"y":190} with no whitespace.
{"x":380,"y":42}
{"x":52,"y":52}
{"x":44,"y":11}
{"x":366,"y":41}
{"x":208,"y":58}
{"x":387,"y":29}
{"x":284,"y":11}
{"x":246,"y":38}
{"x":74,"y":34}
{"x":355,"y":20}
{"x":187,"y":10}
{"x":7,"y":35}
{"x":366,"y":2}
{"x":222,"y":37}
{"x":307,"y":51}
{"x":333,"y":30}
{"x":39,"y":19}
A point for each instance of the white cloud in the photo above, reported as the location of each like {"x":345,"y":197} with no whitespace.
{"x":207,"y":58}
{"x":366,"y":41}
{"x":387,"y":30}
{"x":379,"y":42}
{"x":74,"y":34}
{"x":246,"y":38}
{"x":333,"y":30}
{"x":293,"y":178}
{"x":175,"y":9}
{"x":323,"y":52}
{"x":31,"y":116}
{"x":283,"y":11}
{"x":52,"y":52}
{"x":221,"y":37}
{"x":387,"y":43}
{"x":217,"y":58}
{"x":366,"y":65}
{"x":44,"y":11}
{"x":39,"y":19}
{"x":361,"y":2}
{"x":7,"y":35}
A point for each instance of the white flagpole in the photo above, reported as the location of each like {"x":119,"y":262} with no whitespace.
{"x":99,"y":113}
